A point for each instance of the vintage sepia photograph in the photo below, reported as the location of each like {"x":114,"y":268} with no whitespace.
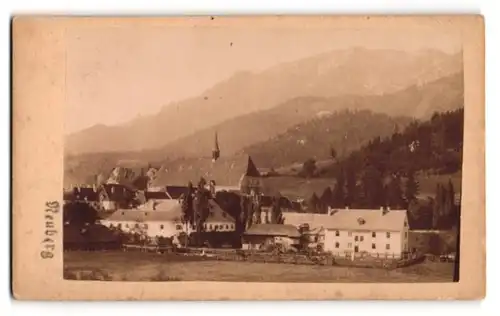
{"x":262,"y":154}
{"x":248,"y":158}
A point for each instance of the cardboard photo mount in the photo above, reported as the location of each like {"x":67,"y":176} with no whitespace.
{"x":39,"y":83}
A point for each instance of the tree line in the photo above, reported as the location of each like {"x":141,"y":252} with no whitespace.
{"x":383,"y":173}
{"x":246,"y":210}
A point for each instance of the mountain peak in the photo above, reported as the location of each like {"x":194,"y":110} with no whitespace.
{"x":359,"y":72}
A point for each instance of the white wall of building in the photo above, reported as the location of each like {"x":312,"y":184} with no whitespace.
{"x":165,"y":228}
{"x":379,"y":242}
{"x":109,"y":205}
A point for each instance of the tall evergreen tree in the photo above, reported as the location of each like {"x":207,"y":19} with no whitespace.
{"x":448,"y":205}
{"x":244,"y":218}
{"x":338,"y":199}
{"x":453,"y":210}
{"x":437,"y":207}
{"x":313,"y":203}
{"x":276,"y":212}
{"x":201,"y":208}
{"x":373,"y":189}
{"x":351,"y":187}
{"x":258,"y":212}
{"x":187,"y":205}
{"x":395,"y":198}
{"x":326,"y":199}
{"x":412,"y":187}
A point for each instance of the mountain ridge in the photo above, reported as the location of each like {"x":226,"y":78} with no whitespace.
{"x":358,"y":71}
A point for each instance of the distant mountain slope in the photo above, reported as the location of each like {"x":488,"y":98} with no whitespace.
{"x":343,"y":131}
{"x":352,"y":72}
{"x":243,"y":131}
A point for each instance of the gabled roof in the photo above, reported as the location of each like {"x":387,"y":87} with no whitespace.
{"x":175,"y":192}
{"x":273,"y":230}
{"x":156,"y":195}
{"x":164,"y":211}
{"x":351,"y":219}
{"x":226,"y":171}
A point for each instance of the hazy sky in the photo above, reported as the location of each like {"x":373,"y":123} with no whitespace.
{"x":117,"y":73}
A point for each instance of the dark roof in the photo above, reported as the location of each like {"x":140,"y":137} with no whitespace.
{"x":273,"y":230}
{"x":175,"y":192}
{"x":84,"y":194}
{"x":226,"y":171}
{"x":252,"y":170}
{"x":156,"y":195}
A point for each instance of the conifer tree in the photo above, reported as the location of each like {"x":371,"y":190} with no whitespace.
{"x":437,"y":207}
{"x":451,"y":194}
{"x":412,"y":187}
{"x":326,"y":199}
{"x":313,"y":203}
{"x":338,"y":199}
{"x":395,"y":193}
{"x":276,"y":212}
{"x":351,"y":188}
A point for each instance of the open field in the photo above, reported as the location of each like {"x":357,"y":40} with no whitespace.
{"x":301,"y":187}
{"x":136,"y":266}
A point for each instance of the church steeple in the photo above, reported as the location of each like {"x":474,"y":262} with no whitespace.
{"x":216,"y":150}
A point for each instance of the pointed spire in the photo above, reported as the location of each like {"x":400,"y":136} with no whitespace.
{"x":216,"y":150}
{"x":252,"y":170}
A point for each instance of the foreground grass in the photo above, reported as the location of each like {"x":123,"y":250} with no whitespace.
{"x":134,"y":266}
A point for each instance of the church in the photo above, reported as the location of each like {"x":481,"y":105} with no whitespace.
{"x":236,"y":173}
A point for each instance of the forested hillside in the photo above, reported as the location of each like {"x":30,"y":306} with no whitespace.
{"x":342,"y":131}
{"x":384,"y":172}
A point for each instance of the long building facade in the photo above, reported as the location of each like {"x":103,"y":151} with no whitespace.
{"x":355,"y":232}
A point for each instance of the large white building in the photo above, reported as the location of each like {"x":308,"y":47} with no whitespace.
{"x":348,"y":232}
{"x":164,"y":219}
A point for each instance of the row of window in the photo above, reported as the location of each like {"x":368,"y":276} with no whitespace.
{"x":374,"y":246}
{"x":178,"y":226}
{"x":374,"y":234}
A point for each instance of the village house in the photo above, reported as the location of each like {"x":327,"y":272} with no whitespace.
{"x":108,"y":197}
{"x":115,"y":196}
{"x":164,"y":219}
{"x":348,"y":232}
{"x":260,"y":236}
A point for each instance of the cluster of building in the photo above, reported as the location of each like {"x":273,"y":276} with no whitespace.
{"x":343,"y":232}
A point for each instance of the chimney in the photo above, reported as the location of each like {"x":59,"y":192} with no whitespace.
{"x":95,"y":188}
{"x":112,"y":190}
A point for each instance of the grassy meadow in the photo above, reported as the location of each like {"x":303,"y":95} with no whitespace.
{"x":136,"y":266}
